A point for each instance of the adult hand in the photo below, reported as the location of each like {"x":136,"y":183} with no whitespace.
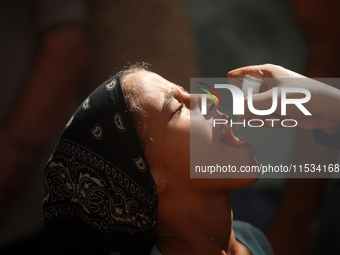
{"x":323,"y":105}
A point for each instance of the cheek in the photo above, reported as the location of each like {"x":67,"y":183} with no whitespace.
{"x":201,"y":128}
{"x":168,"y":146}
{"x":177,"y":140}
{"x":201,"y":138}
{"x":175,"y":147}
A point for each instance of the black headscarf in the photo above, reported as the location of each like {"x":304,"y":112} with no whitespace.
{"x":98,"y":191}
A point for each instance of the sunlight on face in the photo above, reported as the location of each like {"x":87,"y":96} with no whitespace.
{"x":174,"y":124}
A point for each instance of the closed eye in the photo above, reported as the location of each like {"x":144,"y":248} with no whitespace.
{"x":180,"y":107}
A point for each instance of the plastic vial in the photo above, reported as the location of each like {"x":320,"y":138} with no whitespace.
{"x":254,"y":83}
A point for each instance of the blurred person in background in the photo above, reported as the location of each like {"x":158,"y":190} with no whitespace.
{"x":44,"y":52}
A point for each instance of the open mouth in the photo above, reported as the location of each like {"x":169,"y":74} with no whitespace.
{"x":227,"y":136}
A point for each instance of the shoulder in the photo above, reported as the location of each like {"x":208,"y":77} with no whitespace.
{"x":252,"y":238}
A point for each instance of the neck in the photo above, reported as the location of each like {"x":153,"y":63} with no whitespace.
{"x":196,"y":224}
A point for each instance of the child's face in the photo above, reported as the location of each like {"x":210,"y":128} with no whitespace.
{"x":175,"y":127}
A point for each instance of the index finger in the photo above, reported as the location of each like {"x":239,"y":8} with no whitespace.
{"x":262,"y":72}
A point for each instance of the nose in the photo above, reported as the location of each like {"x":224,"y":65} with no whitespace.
{"x":212,"y":103}
{"x":186,"y":99}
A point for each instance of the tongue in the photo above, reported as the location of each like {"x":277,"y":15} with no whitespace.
{"x":231,"y":140}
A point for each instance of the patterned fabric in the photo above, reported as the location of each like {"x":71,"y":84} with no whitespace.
{"x":98,"y":174}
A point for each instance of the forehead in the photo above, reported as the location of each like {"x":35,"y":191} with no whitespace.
{"x":149,"y":81}
{"x":151,"y":85}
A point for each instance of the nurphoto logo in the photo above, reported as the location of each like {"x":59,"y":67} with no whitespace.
{"x":238,"y":104}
